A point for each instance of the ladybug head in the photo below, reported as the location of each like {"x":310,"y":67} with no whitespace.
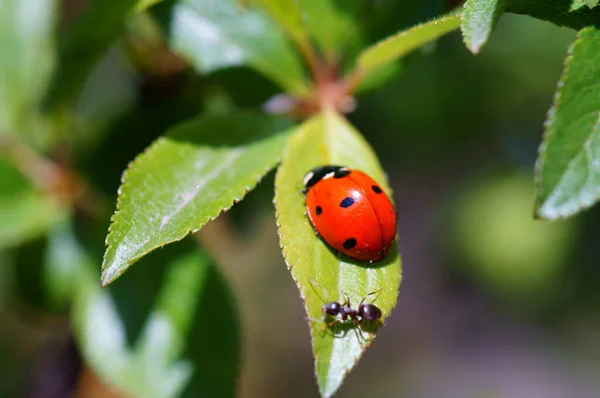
{"x":321,"y":172}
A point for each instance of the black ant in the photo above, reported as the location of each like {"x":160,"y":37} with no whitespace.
{"x":365,"y":312}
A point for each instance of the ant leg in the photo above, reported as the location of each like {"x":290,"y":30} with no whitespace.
{"x":378,"y":292}
{"x":334,"y":322}
{"x":347,"y":299}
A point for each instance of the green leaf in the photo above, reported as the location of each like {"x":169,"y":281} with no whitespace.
{"x":394,"y":47}
{"x":568,"y":168}
{"x":478,"y":20}
{"x":591,"y":3}
{"x":186,"y":179}
{"x":288,"y":15}
{"x":329,"y":139}
{"x":218,"y":34}
{"x":328,"y":26}
{"x":63,"y":263}
{"x":84,"y":43}
{"x":145,"y":4}
{"x":154,"y":369}
{"x":25,"y":213}
{"x":559,"y":12}
{"x":213,"y":343}
{"x":26,"y":59}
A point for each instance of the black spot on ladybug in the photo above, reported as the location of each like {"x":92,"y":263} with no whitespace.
{"x":347,"y":202}
{"x":341,"y":173}
{"x":319,"y":210}
{"x":349,"y":243}
{"x":376,"y":189}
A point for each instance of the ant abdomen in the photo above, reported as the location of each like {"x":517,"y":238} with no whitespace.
{"x":369,"y":312}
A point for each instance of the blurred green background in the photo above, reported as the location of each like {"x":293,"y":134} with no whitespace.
{"x":492,"y":304}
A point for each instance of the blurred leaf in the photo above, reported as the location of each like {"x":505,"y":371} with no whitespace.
{"x":395,"y":47}
{"x":591,"y":3}
{"x":154,"y":368}
{"x":25,"y":213}
{"x":287,"y":14}
{"x":478,"y":20}
{"x":328,"y":26}
{"x":559,"y":12}
{"x":99,"y":331}
{"x":213,"y":343}
{"x":84,"y":43}
{"x":383,"y":75}
{"x":145,"y":4}
{"x":62,"y":265}
{"x":568,"y":169}
{"x":329,"y":139}
{"x":186,"y":179}
{"x":512,"y":256}
{"x":219,"y":34}
{"x":163,"y":338}
{"x":26,"y":59}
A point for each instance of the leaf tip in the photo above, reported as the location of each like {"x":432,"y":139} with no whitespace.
{"x":109,"y":275}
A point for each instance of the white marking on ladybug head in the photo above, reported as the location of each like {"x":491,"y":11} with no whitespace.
{"x":307,"y":177}
{"x":329,"y":175}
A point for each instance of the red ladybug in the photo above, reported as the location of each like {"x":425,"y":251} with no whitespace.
{"x":350,"y":212}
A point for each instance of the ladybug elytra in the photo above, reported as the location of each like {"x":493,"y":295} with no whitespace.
{"x":350,"y":211}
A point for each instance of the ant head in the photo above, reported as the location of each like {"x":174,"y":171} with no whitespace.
{"x":369,"y":312}
{"x":332,"y":308}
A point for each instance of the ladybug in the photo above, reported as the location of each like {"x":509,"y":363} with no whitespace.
{"x":350,"y":211}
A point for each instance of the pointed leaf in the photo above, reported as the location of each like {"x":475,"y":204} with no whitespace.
{"x":568,"y":169}
{"x":478,"y":20}
{"x":26,"y":59}
{"x":218,"y":34}
{"x":394,"y":47}
{"x":329,"y":139}
{"x":84,"y":43}
{"x":186,"y":179}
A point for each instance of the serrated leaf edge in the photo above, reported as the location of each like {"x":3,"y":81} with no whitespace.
{"x":312,"y":327}
{"x":107,"y":279}
{"x":549,"y":133}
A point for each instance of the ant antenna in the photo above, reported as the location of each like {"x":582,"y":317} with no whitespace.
{"x":315,"y":283}
{"x":378,"y":292}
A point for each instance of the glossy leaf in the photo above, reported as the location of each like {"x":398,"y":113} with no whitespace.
{"x":329,"y":139}
{"x":397,"y":46}
{"x":219,"y":34}
{"x":328,"y":25}
{"x":26,"y":59}
{"x":186,"y":179}
{"x":559,"y":12}
{"x":568,"y":169}
{"x":478,"y":20}
{"x":25,"y":212}
{"x":84,"y":43}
